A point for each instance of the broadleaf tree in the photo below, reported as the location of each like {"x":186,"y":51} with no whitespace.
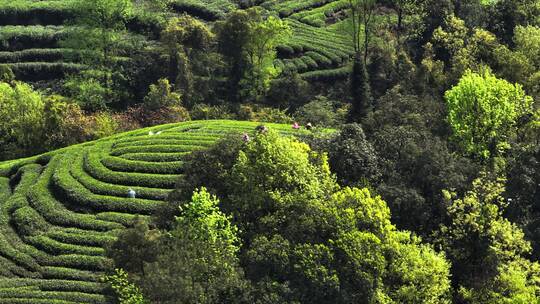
{"x":483,"y":110}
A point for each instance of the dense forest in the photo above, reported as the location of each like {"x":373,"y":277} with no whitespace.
{"x":270,"y":151}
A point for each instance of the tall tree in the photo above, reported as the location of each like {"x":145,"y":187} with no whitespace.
{"x":404,"y":9}
{"x":362,"y":12}
{"x":360,"y":91}
{"x":195,"y":262}
{"x":483,"y":111}
{"x":506,"y":15}
{"x":260,"y":51}
{"x":248,"y":42}
{"x":21,"y":126}
{"x":186,"y":40}
{"x":438,"y":11}
{"x":232,"y":36}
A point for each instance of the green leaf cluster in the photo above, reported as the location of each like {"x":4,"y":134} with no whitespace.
{"x":483,"y":110}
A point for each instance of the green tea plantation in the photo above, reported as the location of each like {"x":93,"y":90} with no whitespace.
{"x":58,"y":210}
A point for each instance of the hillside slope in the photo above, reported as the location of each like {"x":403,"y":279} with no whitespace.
{"x":57,"y":210}
{"x":30,"y":32}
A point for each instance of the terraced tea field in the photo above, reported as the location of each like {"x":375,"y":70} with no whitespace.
{"x":319,"y":47}
{"x":30,"y":32}
{"x":58,"y":210}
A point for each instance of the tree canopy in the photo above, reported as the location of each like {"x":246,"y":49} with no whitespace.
{"x":483,"y":111}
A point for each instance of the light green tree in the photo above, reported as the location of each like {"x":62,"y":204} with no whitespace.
{"x":21,"y":109}
{"x":196,"y":262}
{"x":260,"y":50}
{"x":527,"y":40}
{"x":126,"y":291}
{"x":161,"y":95}
{"x":482,"y":111}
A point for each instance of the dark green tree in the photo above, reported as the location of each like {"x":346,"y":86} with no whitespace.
{"x":134,"y":248}
{"x":352,"y":157}
{"x":409,"y":135}
{"x":248,"y":42}
{"x":188,"y":44}
{"x":487,"y":251}
{"x":6,"y":74}
{"x":232,"y":35}
{"x":436,"y":12}
{"x":506,"y":15}
{"x":197,"y":261}
{"x":360,"y":91}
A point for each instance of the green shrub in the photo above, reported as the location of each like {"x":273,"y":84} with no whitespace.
{"x":28,"y":222}
{"x":127,"y":292}
{"x":320,"y":59}
{"x":51,"y":272}
{"x":321,"y":112}
{"x":19,"y":295}
{"x":93,"y":165}
{"x":163,"y":140}
{"x":99,"y":187}
{"x":38,"y":55}
{"x":23,"y":263}
{"x":35,"y":71}
{"x":35,"y":12}
{"x":14,"y":38}
{"x":57,"y":285}
{"x":124,"y":165}
{"x":76,"y":193}
{"x":83,"y":262}
{"x":55,"y":212}
{"x":206,"y":112}
{"x":51,"y":246}
{"x":155,"y":157}
{"x":327,"y":75}
{"x":125,"y":219}
{"x":10,"y":244}
{"x":155,"y":148}
{"x":104,"y":125}
{"x":82,"y":237}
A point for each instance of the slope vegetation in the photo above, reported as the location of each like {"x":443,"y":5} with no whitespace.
{"x":58,"y":210}
{"x":319,"y":47}
{"x":30,"y":32}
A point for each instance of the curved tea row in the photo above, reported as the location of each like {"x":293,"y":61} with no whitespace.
{"x":59,"y":210}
